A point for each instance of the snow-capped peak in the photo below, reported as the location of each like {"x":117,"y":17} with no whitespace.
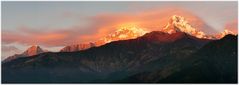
{"x":180,"y":24}
{"x":125,"y":32}
{"x":224,"y":33}
{"x":33,"y":50}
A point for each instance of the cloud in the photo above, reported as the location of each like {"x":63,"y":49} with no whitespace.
{"x":10,"y":48}
{"x":49,"y":39}
{"x":100,"y":25}
{"x":232,"y":25}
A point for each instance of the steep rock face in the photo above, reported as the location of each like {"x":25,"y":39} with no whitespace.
{"x":106,"y":63}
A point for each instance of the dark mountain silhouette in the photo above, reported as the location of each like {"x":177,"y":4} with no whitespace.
{"x":216,"y":62}
{"x":154,"y":57}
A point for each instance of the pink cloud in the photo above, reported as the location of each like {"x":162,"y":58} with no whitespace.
{"x":100,"y":26}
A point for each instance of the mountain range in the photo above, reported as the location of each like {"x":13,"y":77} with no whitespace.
{"x":123,"y":33}
{"x":175,"y":24}
{"x":33,"y":50}
{"x":176,"y":54}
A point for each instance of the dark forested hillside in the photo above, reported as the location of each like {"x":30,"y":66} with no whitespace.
{"x":154,"y":57}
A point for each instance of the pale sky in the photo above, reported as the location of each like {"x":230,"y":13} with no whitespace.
{"x":51,"y":20}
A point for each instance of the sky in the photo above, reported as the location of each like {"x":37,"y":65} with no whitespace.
{"x":53,"y":25}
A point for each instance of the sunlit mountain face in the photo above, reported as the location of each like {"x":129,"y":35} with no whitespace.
{"x":130,"y":31}
{"x":180,"y":24}
{"x":124,"y":32}
{"x":175,"y":24}
{"x":224,"y":33}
